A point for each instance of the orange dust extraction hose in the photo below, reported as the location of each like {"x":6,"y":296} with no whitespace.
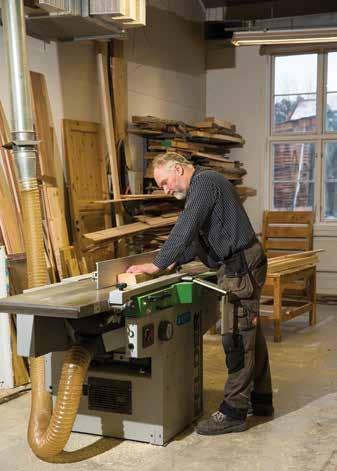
{"x":49,"y":432}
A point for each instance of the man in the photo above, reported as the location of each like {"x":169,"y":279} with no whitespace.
{"x":215,"y":227}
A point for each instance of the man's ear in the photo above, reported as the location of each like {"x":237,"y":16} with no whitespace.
{"x":179,"y":169}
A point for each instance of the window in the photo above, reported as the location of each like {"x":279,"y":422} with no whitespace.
{"x":303,"y":134}
{"x":295,"y":94}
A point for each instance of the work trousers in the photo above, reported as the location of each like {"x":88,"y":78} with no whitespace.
{"x":245,"y":347}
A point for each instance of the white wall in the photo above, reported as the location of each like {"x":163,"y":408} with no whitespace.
{"x":166,"y":66}
{"x":240,"y":94}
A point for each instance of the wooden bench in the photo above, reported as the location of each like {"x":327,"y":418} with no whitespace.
{"x":279,"y":308}
{"x":292,"y":292}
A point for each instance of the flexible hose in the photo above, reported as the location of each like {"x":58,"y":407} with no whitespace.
{"x":47,"y":437}
{"x":36,"y":264}
{"x":49,"y":432}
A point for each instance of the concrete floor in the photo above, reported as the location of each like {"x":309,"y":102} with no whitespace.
{"x":302,"y":436}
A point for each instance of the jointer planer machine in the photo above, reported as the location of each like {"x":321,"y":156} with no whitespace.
{"x":145,"y":380}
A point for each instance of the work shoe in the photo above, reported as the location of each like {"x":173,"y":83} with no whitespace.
{"x":220,"y":423}
{"x":263,"y":410}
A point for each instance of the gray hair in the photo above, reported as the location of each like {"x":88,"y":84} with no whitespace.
{"x":170,"y":159}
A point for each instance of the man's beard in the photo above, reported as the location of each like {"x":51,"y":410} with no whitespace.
{"x":179,"y":195}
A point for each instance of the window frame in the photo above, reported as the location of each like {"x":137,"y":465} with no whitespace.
{"x":319,"y":137}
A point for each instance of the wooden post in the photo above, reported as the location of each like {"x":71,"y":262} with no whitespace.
{"x":109,"y":129}
{"x":277,"y":309}
{"x":312,"y":314}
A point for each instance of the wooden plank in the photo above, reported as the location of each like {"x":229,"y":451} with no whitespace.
{"x":119,"y":98}
{"x":109,"y":133}
{"x":287,"y":312}
{"x":129,"y":229}
{"x":9,"y":394}
{"x":70,"y":266}
{"x":279,"y":244}
{"x":119,"y":88}
{"x":144,"y":132}
{"x":294,"y":273}
{"x":133,"y":278}
{"x":160,"y":220}
{"x":7,"y":161}
{"x":219,"y":122}
{"x":278,"y":261}
{"x":96,"y":203}
{"x":216,"y":158}
{"x":56,"y":229}
{"x":10,"y":220}
{"x":291,"y":265}
{"x":217,"y":137}
{"x":298,"y":255}
{"x":108,"y":127}
{"x":56,"y":223}
{"x":245,"y":190}
{"x":294,"y":311}
{"x":117,"y":232}
{"x":274,"y":254}
{"x":290,"y":217}
{"x":43,"y":125}
{"x":288,"y":232}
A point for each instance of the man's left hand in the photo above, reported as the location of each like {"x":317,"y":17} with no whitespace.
{"x":148,"y":268}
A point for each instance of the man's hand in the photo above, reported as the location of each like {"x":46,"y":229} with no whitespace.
{"x":148,"y":268}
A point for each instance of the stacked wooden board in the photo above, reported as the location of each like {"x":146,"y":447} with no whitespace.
{"x":288,"y":262}
{"x":205,"y":143}
{"x":146,"y":224}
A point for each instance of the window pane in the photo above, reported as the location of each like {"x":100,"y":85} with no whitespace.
{"x":330,"y":206}
{"x":332,"y":76}
{"x":330,"y":155}
{"x":294,"y":161}
{"x":291,"y":195}
{"x":330,"y":180}
{"x":331,"y":98}
{"x":295,"y":74}
{"x":295,"y":113}
{"x":293,"y":175}
{"x":331,"y":112}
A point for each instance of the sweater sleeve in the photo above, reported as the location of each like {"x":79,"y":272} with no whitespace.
{"x":199,"y":205}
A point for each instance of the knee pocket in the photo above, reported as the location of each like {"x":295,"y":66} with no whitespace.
{"x":235,"y":352}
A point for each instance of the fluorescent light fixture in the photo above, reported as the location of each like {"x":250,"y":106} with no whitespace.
{"x":285,"y":36}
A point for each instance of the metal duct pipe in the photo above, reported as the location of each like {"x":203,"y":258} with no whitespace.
{"x":24,"y":141}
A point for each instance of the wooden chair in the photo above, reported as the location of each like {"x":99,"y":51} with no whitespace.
{"x":292,"y":292}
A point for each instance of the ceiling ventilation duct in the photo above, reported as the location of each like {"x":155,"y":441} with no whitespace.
{"x":74,"y":20}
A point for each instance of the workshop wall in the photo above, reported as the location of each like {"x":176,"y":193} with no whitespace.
{"x":240,"y":93}
{"x":166,"y":66}
{"x":166,"y":72}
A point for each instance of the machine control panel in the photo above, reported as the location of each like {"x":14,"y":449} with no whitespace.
{"x":151,"y":303}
